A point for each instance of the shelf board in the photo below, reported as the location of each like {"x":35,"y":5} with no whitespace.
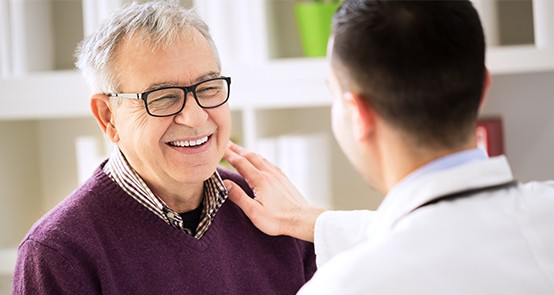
{"x":282,"y":83}
{"x":8,"y":258}
{"x":519,"y":59}
{"x":45,"y":95}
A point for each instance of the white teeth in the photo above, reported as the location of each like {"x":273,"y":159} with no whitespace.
{"x":182,"y":143}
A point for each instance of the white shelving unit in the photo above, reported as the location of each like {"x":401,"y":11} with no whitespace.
{"x":44,"y":111}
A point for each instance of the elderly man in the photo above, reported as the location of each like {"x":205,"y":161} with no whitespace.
{"x":153,"y":218}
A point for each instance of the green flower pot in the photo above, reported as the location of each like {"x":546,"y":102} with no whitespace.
{"x":314,"y":25}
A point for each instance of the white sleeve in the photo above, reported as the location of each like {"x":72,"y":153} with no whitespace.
{"x":338,"y":231}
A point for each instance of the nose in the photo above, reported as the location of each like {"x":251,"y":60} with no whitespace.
{"x":192,"y":114}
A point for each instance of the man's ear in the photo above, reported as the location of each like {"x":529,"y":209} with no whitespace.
{"x":102,"y":111}
{"x":363,"y":115}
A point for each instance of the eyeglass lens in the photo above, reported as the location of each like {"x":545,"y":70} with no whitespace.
{"x":169,"y":101}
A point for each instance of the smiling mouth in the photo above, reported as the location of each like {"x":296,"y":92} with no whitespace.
{"x":189,"y":143}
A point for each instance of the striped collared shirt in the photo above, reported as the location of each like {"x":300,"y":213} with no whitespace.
{"x":128,"y":179}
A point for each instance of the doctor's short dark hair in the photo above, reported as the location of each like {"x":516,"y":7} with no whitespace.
{"x":419,"y":64}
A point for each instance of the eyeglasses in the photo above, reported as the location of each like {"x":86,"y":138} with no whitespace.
{"x":170,"y":100}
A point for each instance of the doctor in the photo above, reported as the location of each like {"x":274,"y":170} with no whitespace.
{"x":408,"y":79}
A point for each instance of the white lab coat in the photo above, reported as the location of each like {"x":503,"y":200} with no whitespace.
{"x":493,"y":242}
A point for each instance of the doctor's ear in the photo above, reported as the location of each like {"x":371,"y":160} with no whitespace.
{"x":102,"y":111}
{"x":486,"y":86}
{"x":363,"y":115}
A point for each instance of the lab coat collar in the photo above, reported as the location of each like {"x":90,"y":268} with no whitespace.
{"x":402,"y":200}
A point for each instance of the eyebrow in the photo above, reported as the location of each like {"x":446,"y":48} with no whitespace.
{"x":207,"y":76}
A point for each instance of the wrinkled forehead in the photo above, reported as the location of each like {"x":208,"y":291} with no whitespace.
{"x":137,"y":48}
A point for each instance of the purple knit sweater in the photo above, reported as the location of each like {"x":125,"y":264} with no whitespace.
{"x":101,"y":241}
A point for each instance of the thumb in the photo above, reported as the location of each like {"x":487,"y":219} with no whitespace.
{"x":239,"y":197}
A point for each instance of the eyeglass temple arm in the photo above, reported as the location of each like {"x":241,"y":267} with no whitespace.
{"x":125,"y":95}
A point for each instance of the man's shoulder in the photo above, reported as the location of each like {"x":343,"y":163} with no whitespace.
{"x":233,"y":214}
{"x":60,"y":220}
{"x":73,"y":216}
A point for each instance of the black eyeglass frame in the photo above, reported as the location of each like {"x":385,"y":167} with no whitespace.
{"x":186,"y":89}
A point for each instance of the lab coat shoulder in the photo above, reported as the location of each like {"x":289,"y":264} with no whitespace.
{"x":538,"y":188}
{"x":488,"y":244}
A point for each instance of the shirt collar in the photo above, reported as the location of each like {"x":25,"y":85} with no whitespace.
{"x":444,"y":163}
{"x":128,"y":179}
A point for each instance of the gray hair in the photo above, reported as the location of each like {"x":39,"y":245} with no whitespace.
{"x":156,"y":23}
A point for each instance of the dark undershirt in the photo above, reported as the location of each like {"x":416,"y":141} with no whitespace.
{"x":192,"y":218}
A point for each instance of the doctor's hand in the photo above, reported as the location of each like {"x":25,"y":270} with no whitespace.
{"x":278,"y":208}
